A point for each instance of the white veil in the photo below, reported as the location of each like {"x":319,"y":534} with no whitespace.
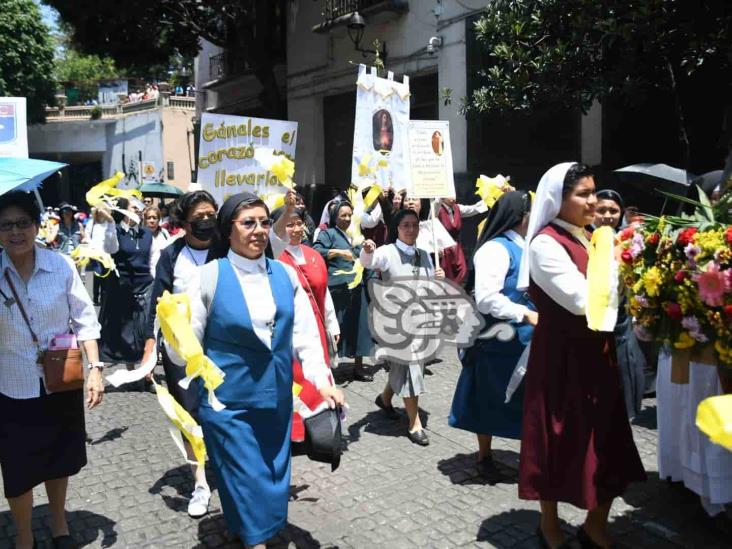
{"x":545,"y":207}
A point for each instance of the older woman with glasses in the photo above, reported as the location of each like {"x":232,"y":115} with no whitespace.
{"x":42,"y":434}
{"x":161,"y":237}
{"x":253,"y":317}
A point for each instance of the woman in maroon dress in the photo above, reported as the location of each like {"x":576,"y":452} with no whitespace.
{"x":451,"y":216}
{"x":289,"y":232}
{"x":577,"y":445}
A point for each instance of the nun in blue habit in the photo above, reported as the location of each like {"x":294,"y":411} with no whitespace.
{"x":251,"y":322}
{"x":479,"y":402}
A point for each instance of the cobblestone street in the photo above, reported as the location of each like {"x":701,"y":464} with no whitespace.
{"x":388,"y":492}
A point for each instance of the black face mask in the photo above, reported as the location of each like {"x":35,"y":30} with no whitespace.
{"x":203,"y":229}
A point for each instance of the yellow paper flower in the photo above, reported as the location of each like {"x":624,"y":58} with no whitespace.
{"x":283,"y":169}
{"x":83,"y":254}
{"x":490,"y":189}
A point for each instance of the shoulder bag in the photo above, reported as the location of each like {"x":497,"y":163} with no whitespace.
{"x":63,"y":370}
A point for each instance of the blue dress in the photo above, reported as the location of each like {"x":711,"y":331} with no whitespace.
{"x":249,"y":441}
{"x":478,"y":405}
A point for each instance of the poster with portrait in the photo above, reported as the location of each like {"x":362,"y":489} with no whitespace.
{"x":226,"y":163}
{"x":430,"y":160}
{"x":380,"y":132}
{"x":13,"y":129}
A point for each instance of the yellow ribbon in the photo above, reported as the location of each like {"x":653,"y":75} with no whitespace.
{"x":83,"y":254}
{"x":106,"y":191}
{"x":283,"y":169}
{"x":174,"y":314}
{"x":602,"y":281}
{"x":372,"y":196}
{"x":714,"y":419}
{"x":357,"y":271}
{"x":184,"y":422}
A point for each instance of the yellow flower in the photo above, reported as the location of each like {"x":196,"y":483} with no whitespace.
{"x":283,"y":169}
{"x":685,"y":341}
{"x":490,"y":189}
{"x":652,"y":280}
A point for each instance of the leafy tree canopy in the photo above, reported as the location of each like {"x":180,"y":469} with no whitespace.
{"x":142,"y":33}
{"x":26,"y":56}
{"x":576,"y":51}
{"x":84,"y":71}
{"x":573,"y":52}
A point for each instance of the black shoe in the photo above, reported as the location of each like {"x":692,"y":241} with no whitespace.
{"x":428,"y":372}
{"x":362,"y":374}
{"x":64,"y":542}
{"x":490,"y":472}
{"x":419,"y":437}
{"x":389,"y":410}
{"x":544,"y":544}
{"x":586,"y":541}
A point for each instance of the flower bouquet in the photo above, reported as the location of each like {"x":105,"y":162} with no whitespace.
{"x":678,"y":274}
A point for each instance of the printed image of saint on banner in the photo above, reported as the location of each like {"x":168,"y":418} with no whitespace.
{"x":381,"y":131}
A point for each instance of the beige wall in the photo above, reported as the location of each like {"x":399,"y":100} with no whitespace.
{"x":178,"y":145}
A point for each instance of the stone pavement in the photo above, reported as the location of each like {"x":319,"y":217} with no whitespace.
{"x":387,"y":493}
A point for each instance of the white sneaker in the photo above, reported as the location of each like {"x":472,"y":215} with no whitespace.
{"x":198,"y":506}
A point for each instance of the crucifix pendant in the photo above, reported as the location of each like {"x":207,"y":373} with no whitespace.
{"x":9,"y":302}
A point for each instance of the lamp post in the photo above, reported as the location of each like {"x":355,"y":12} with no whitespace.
{"x":356,"y":26}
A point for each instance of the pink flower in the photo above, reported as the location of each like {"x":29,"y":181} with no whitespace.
{"x":712,"y":284}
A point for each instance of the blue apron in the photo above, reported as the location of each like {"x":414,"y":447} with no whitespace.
{"x":478,"y":405}
{"x":249,"y":441}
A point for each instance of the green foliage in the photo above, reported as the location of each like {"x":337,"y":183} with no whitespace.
{"x":26,"y":56}
{"x":84,"y":72}
{"x":571,"y":52}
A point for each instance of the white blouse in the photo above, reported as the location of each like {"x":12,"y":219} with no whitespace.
{"x":252,"y":276}
{"x":54,"y":299}
{"x":491,"y":267}
{"x":554,"y":271}
{"x":383,"y":258}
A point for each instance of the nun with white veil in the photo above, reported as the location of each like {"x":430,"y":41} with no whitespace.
{"x":577,"y":445}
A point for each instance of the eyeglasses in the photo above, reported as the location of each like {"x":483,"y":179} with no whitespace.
{"x":22,"y":224}
{"x":250,"y":224}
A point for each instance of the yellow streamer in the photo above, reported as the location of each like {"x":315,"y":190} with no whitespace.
{"x":183,"y":421}
{"x":174,"y":314}
{"x":107,"y":191}
{"x":283,"y":169}
{"x":602,"y":282}
{"x":372,"y":196}
{"x":357,"y":270}
{"x":714,"y":418}
{"x":83,"y":254}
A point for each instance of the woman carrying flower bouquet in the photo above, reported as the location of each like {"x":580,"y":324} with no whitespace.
{"x":631,"y":360}
{"x":577,"y":445}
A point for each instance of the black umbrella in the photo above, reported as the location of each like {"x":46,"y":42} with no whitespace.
{"x":656,"y":176}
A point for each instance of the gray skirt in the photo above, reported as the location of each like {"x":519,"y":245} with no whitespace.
{"x":406,"y":380}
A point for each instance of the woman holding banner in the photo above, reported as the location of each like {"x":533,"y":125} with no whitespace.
{"x":401,"y":258}
{"x":351,"y":308}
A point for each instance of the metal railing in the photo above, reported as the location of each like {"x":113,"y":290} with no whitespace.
{"x":225,"y":64}
{"x":337,"y":8}
{"x":115,"y":111}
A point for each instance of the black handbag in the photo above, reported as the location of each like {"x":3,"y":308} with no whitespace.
{"x":323,"y":440}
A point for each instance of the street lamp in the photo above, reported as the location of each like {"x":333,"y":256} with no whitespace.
{"x":356,"y":26}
